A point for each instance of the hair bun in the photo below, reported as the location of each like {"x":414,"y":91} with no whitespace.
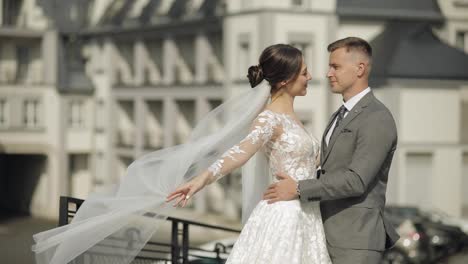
{"x":255,"y":75}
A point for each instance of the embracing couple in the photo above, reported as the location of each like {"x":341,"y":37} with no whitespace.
{"x":326,"y":204}
{"x":327,"y":198}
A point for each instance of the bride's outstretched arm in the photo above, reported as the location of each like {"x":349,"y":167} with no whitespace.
{"x":264,"y":128}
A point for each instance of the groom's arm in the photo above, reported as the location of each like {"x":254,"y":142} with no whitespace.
{"x":376,"y":139}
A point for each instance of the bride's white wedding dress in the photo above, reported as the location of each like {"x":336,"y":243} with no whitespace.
{"x":286,"y":231}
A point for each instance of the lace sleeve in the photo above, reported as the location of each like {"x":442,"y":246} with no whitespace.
{"x":263,"y":130}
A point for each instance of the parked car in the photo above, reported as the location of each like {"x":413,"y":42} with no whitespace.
{"x":413,"y":246}
{"x":445,"y":239}
{"x":441,"y":217}
{"x":424,"y":238}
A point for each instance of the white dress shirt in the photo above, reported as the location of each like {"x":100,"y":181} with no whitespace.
{"x":349,"y":106}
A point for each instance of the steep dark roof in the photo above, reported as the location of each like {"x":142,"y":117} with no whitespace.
{"x":117,"y":13}
{"x":411,"y":50}
{"x":426,"y":10}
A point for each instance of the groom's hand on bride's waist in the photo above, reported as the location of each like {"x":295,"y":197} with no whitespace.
{"x":283,"y":190}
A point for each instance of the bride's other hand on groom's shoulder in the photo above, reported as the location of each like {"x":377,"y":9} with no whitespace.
{"x":283,"y":190}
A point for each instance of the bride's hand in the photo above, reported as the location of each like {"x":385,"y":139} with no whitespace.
{"x":187,"y":190}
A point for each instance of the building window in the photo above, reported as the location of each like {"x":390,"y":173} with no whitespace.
{"x":10,"y":12}
{"x":418,"y":179}
{"x":3,"y":112}
{"x":73,"y":15}
{"x":31,"y":113}
{"x":121,"y":167}
{"x":78,"y":163}
{"x":465,"y":185}
{"x":184,"y":120}
{"x":154,"y":125}
{"x":297,"y":2}
{"x":461,"y":40}
{"x":126,"y":126}
{"x":305,"y":42}
{"x":80,"y":176}
{"x":464,"y":123}
{"x":244,"y":56}
{"x":23,"y":60}
{"x":100,"y":120}
{"x":99,"y":169}
{"x":304,"y":47}
{"x":76,"y":114}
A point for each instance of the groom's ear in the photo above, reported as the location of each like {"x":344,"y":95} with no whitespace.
{"x":361,"y":71}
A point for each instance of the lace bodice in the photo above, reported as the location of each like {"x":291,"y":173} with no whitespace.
{"x":286,"y":231}
{"x":289,"y":148}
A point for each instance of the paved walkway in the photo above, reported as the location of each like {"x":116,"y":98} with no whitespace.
{"x":16,"y":238}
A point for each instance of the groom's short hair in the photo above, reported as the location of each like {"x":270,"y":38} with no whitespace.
{"x":352,"y":43}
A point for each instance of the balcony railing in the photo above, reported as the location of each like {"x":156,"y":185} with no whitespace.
{"x":175,"y":252}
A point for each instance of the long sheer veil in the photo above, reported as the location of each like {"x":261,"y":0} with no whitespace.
{"x":121,"y":222}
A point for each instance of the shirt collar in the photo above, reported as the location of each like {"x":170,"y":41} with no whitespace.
{"x":355,"y":99}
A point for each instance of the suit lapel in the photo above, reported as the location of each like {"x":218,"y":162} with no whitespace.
{"x":357,"y":109}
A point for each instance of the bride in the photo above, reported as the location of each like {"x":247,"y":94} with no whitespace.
{"x":259,"y":125}
{"x":283,"y":232}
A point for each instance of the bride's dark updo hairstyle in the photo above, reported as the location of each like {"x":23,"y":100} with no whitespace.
{"x":277,"y":63}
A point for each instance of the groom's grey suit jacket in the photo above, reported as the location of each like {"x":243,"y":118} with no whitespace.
{"x":354,"y":175}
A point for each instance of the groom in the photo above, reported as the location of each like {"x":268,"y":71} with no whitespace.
{"x":357,"y":149}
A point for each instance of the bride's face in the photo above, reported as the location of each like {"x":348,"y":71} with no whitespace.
{"x":298,"y":86}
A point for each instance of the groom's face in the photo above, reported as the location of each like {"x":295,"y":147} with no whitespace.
{"x":342,"y":71}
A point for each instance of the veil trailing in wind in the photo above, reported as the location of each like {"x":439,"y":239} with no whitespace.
{"x":130,"y":215}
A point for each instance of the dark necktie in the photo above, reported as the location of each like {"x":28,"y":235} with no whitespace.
{"x":341,"y":113}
